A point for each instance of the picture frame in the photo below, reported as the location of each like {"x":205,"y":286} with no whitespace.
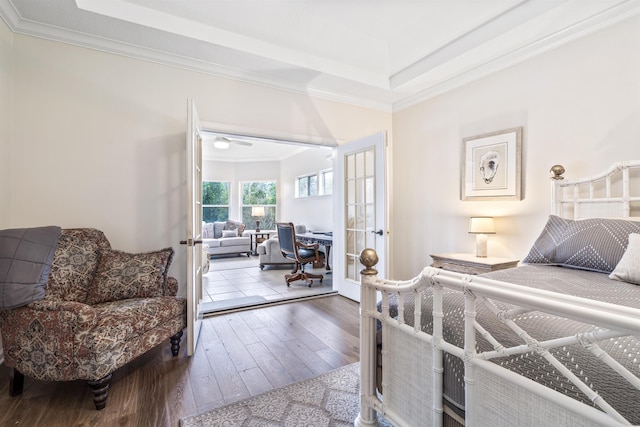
{"x":491,"y":166}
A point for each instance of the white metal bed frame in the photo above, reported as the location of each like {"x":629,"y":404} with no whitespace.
{"x":413,"y":360}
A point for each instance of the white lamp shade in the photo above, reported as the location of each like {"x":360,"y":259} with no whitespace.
{"x":257,"y":211}
{"x":481,"y":225}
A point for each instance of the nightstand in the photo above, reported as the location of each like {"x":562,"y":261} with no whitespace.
{"x":471,"y":264}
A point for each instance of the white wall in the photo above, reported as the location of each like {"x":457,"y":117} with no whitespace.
{"x":579,"y":106}
{"x":314,"y":212}
{"x":98,"y":139}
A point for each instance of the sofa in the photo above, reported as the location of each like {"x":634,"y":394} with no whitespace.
{"x":226,"y":237}
{"x":100,"y":309}
{"x":269,"y":253}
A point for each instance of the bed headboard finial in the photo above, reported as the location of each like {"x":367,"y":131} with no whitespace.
{"x":369,"y":258}
{"x":557,"y":171}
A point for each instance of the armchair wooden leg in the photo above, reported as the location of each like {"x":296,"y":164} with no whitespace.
{"x":288,"y":278}
{"x":296,"y":266}
{"x":100,"y":390}
{"x":16,"y":382}
{"x":175,"y":343}
{"x":309,"y":276}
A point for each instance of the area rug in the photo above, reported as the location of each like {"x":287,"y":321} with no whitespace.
{"x":330,"y":400}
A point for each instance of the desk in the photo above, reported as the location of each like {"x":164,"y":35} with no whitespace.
{"x":259,"y":237}
{"x":321,"y":239}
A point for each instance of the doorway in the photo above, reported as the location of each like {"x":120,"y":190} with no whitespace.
{"x":235,"y":281}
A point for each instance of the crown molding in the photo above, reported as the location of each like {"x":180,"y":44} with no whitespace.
{"x":35,"y":29}
{"x":614,"y":15}
{"x":389,"y":100}
{"x":9,"y":14}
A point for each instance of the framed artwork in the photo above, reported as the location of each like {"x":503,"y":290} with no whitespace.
{"x":491,"y":166}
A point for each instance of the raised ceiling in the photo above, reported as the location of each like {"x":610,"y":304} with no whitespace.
{"x":384,"y":54}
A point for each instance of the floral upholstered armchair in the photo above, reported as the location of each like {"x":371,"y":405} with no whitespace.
{"x":102,"y":308}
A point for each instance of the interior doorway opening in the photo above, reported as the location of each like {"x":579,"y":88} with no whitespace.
{"x":240,"y":282}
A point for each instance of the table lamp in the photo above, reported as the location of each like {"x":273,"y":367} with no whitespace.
{"x":257,"y":211}
{"x":481,"y":226}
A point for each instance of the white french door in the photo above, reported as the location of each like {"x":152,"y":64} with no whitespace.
{"x":193,"y":240}
{"x":360,"y":210}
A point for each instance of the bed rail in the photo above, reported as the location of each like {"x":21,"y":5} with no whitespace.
{"x":413,"y":359}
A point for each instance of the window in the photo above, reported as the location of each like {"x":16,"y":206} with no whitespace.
{"x":259,"y":193}
{"x":326,"y":182}
{"x":215,"y":201}
{"x":307,"y":185}
{"x":317,"y":184}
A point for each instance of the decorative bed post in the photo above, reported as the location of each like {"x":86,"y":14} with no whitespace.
{"x":556,"y":192}
{"x":367,"y":416}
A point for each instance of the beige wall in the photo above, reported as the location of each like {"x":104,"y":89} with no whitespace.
{"x":99,"y":138}
{"x":579,"y":106}
{"x":6,"y":97}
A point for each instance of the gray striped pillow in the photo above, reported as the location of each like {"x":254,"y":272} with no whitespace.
{"x":595,"y":244}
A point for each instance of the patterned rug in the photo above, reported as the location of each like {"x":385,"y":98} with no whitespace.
{"x":330,"y":400}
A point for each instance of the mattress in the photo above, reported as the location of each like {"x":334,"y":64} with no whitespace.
{"x":541,"y":326}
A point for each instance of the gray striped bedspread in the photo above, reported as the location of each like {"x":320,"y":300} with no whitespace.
{"x":541,"y":326}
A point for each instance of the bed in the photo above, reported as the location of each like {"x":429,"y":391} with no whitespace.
{"x":553,"y":342}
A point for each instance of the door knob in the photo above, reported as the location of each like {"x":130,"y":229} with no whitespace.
{"x":379,"y":232}
{"x":190,"y":242}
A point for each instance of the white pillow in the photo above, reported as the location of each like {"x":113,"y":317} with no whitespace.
{"x":207,"y":230}
{"x":628,"y":269}
{"x":229,"y":233}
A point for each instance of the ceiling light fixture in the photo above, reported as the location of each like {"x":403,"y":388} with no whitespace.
{"x":221,"y":143}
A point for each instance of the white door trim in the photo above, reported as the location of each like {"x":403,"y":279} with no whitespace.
{"x":350,"y":287}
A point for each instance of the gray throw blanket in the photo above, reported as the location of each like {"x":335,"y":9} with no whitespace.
{"x":26,"y":255}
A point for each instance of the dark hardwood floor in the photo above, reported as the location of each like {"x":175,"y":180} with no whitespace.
{"x":239,"y":355}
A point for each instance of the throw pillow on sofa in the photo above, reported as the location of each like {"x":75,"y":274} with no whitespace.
{"x":218,"y":226}
{"x":207,"y":230}
{"x":229,"y":233}
{"x":122,"y":275}
{"x":235,"y":225}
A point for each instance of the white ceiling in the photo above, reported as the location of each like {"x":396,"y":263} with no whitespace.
{"x":384,"y":54}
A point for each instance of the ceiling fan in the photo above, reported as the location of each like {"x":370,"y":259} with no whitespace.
{"x":222,"y":142}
